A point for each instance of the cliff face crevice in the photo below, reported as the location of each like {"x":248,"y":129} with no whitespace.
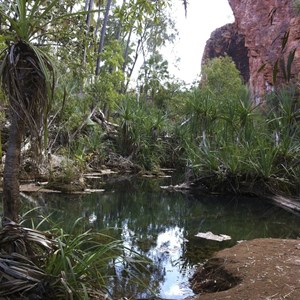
{"x":263,"y":25}
{"x":227,"y":41}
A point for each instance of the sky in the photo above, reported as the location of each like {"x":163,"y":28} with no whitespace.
{"x":203,"y":17}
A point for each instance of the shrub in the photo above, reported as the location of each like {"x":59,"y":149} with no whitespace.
{"x":141,"y":133}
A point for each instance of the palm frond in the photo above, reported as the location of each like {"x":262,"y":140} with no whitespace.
{"x":25,"y":241}
{"x":20,"y":277}
{"x":28,"y":79}
{"x":21,"y":251}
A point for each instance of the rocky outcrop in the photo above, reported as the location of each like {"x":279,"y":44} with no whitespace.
{"x":227,"y":41}
{"x":271,"y":31}
{"x":257,"y":269}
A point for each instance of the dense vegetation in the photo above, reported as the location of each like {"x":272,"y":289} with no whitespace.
{"x":98,"y":116}
{"x":67,"y":86}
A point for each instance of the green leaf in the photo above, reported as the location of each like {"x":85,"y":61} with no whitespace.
{"x":261,"y":68}
{"x":291,"y":58}
{"x":48,"y":8}
{"x":13,"y":24}
{"x":285,"y":40}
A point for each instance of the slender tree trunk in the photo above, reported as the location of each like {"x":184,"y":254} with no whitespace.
{"x":125,"y":85}
{"x":127,"y":50}
{"x":118,"y":32}
{"x":133,"y":65}
{"x":11,"y":189}
{"x":102,"y":37}
{"x":88,"y":25}
{"x":137,"y":50}
{"x":98,"y":22}
{"x":86,"y":5}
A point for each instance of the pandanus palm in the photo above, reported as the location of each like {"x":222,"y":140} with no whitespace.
{"x":26,"y":73}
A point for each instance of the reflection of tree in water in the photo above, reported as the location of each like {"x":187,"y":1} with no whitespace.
{"x":135,"y":280}
{"x":138,"y":218}
{"x":140,"y":215}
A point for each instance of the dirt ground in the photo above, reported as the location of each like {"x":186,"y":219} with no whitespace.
{"x":259,"y":269}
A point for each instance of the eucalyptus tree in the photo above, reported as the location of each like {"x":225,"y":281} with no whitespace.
{"x":102,"y":37}
{"x":146,"y":27}
{"x":153,"y":75}
{"x":88,"y":7}
{"x":128,"y":16}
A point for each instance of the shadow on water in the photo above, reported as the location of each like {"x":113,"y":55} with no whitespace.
{"x":162,"y":226}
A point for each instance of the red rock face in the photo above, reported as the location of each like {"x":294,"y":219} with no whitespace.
{"x":262,"y":26}
{"x":264,"y":23}
{"x":227,"y":41}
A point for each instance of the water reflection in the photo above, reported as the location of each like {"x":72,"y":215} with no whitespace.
{"x":162,"y":226}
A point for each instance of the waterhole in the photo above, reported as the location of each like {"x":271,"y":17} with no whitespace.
{"x":162,"y":226}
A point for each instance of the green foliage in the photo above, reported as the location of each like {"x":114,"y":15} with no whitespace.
{"x":138,"y":13}
{"x":221,"y":77}
{"x":21,"y":22}
{"x":216,"y":134}
{"x":141,"y":133}
{"x":81,"y":262}
{"x":281,"y":65}
{"x":71,"y":263}
{"x":225,"y":135}
{"x":171,"y":98}
{"x":26,"y":18}
{"x":89,"y":149}
{"x":105,"y":90}
{"x":153,"y":74}
{"x":283,"y":113}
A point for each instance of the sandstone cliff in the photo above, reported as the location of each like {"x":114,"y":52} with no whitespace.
{"x":227,"y":41}
{"x":265,"y":26}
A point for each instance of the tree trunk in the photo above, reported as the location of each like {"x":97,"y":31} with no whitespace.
{"x":127,"y":50}
{"x":139,"y":45}
{"x":11,"y":189}
{"x":118,"y":32}
{"x":88,"y":6}
{"x":103,"y":31}
{"x":133,"y":65}
{"x":98,"y":22}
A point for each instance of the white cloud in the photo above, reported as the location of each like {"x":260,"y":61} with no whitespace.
{"x":174,"y":290}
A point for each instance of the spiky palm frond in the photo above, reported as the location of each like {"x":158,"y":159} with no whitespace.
{"x":15,"y":238}
{"x":26,"y":70}
{"x":25,"y":78}
{"x":33,"y":264}
{"x":20,"y":276}
{"x":22,"y":253}
{"x":26,"y":18}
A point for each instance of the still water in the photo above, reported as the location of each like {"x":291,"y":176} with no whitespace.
{"x":162,"y":225}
